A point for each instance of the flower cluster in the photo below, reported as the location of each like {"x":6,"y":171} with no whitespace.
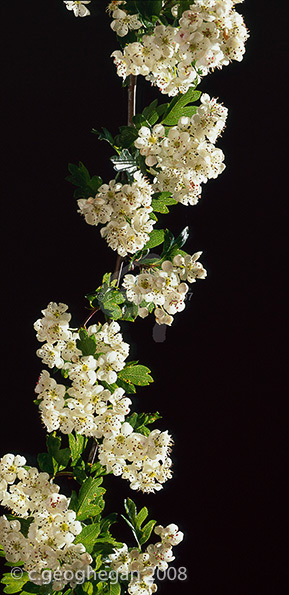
{"x":163,"y":289}
{"x":126,"y":211}
{"x":186,"y":156}
{"x":89,"y":408}
{"x":60,"y":349}
{"x":48,"y":543}
{"x":142,"y":565}
{"x":79,"y":8}
{"x":143,"y":460}
{"x":209,"y":35}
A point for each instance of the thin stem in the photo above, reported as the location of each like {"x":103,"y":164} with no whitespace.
{"x":131,"y":111}
{"x":90,"y":316}
{"x":131,"y":104}
{"x":67,"y":474}
{"x":93,"y":451}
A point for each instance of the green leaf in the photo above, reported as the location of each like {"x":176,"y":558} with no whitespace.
{"x":160,"y":200}
{"x":90,"y":499}
{"x":77,"y":445}
{"x":149,"y":8}
{"x":132,"y":419}
{"x":139,"y":375}
{"x":156,"y":238}
{"x":109,"y":305}
{"x":182,"y":238}
{"x":150,"y":113}
{"x":45,"y":463}
{"x":124,"y":162}
{"x":73,"y":504}
{"x":129,"y":312}
{"x":130,"y":509}
{"x":88,"y":536}
{"x":86,"y":186}
{"x":108,"y":521}
{"x":60,"y":455}
{"x":168,"y":241}
{"x":104,"y":135}
{"x":141,"y":517}
{"x":114,"y":589}
{"x":86,"y":343}
{"x":179,"y":107}
{"x":146,"y":532}
{"x":142,"y":420}
{"x":97,"y":469}
{"x":127,"y":136}
{"x":14,"y":584}
{"x":88,"y":587}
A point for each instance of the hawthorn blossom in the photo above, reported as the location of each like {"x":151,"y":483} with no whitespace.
{"x":143,"y":460}
{"x":79,"y":7}
{"x":185,"y":157}
{"x":52,"y":528}
{"x":124,"y":22}
{"x":125,"y":209}
{"x":142,"y":565}
{"x":209,"y":35}
{"x":162,"y":289}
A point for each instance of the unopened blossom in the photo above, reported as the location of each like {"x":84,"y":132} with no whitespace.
{"x":79,"y":8}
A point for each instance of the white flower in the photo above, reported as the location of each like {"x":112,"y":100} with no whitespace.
{"x":124,"y":22}
{"x":170,"y":535}
{"x":54,"y":326}
{"x":51,"y":354}
{"x":10,"y":465}
{"x":78,"y":7}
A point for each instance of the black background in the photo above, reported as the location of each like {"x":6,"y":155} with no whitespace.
{"x":219,"y":375}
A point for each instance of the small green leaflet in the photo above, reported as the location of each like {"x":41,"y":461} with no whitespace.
{"x":179,"y":107}
{"x":135,"y":521}
{"x":134,"y":375}
{"x":86,"y":186}
{"x":140,"y":421}
{"x":14,"y":584}
{"x":86,"y":343}
{"x":107,"y":298}
{"x":114,"y":589}
{"x":150,"y":115}
{"x":160,"y":200}
{"x":146,"y":531}
{"x":90,"y":501}
{"x":172,"y":245}
{"x":104,"y":135}
{"x":127,"y":136}
{"x":56,"y":459}
{"x":77,"y":445}
{"x":156,"y":238}
{"x":146,"y":8}
{"x":88,"y":536}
